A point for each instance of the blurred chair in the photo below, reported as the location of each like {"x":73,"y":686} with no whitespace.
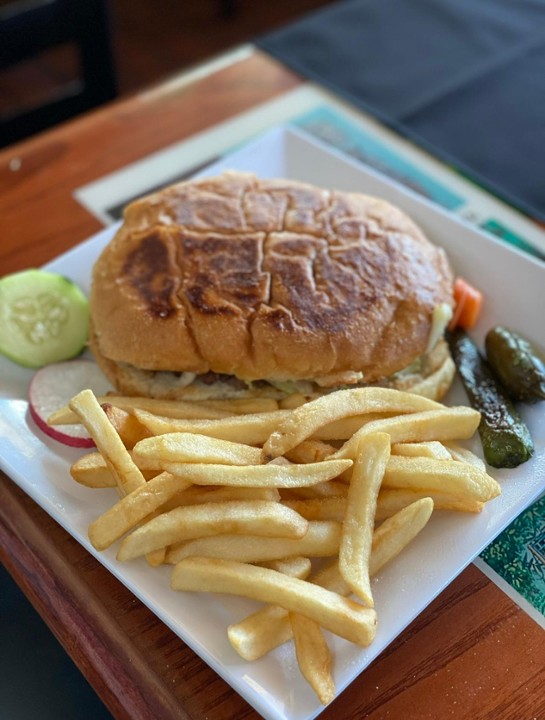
{"x":31,"y":27}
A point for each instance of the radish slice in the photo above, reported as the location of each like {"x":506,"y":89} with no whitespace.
{"x":53,"y":386}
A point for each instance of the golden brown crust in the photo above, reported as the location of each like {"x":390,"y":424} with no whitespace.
{"x":266,"y":279}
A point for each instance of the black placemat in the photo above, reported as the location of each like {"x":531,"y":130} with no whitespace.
{"x":463,"y":78}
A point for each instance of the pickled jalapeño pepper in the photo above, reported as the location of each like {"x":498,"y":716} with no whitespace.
{"x":505,"y":438}
{"x":517,"y":364}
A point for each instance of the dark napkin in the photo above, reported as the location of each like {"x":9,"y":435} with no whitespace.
{"x":465,"y":79}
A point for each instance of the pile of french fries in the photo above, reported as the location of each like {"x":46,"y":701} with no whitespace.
{"x":245,"y":497}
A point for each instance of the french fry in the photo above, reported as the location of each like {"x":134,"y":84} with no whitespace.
{"x":328,"y":488}
{"x":299,"y":567}
{"x":91,"y":470}
{"x":269,"y":627}
{"x":172,"y":408}
{"x":245,"y":517}
{"x":310,"y":451}
{"x":451,"y":477}
{"x":247,"y":429}
{"x":181,"y":409}
{"x":156,"y":557}
{"x":392,"y":500}
{"x":259,"y":633}
{"x":321,"y":540}
{"x":457,"y":452}
{"x":168,"y":408}
{"x":271,"y":475}
{"x":320,"y":508}
{"x":91,"y":415}
{"x":148,"y":466}
{"x":128,"y":428}
{"x":398,"y":531}
{"x":344,"y":428}
{"x":240,"y":406}
{"x":280,"y":461}
{"x":133,"y":508}
{"x":188,"y":448}
{"x":430,"y":449}
{"x":359,"y":519}
{"x":198,"y":494}
{"x":313,"y":656}
{"x":305,"y":420}
{"x":457,"y":423}
{"x":340,"y":615}
{"x":331,"y":578}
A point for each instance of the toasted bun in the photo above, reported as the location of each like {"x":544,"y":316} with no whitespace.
{"x":433,"y":376}
{"x":265,"y":279}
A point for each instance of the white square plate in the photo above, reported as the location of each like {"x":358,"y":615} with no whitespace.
{"x":513,"y":286}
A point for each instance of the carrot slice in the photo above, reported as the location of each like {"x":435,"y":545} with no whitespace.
{"x":468,"y":302}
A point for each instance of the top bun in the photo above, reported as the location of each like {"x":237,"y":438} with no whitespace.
{"x":266,"y":279}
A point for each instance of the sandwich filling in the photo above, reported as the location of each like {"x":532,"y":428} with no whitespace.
{"x":430,"y":374}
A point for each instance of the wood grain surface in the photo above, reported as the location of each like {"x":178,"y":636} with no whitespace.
{"x":41,"y":219}
{"x":472,"y":654}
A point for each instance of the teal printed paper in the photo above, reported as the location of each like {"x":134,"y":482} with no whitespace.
{"x":498,"y":229}
{"x":518,"y":555}
{"x":334,"y":129}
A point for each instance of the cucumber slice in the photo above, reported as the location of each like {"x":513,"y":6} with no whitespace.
{"x":44,"y":318}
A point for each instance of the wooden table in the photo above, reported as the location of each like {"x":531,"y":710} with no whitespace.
{"x":472,"y":654}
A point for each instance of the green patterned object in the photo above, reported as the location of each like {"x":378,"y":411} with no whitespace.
{"x":518,"y":555}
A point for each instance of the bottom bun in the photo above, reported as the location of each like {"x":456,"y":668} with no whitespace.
{"x":430,"y":376}
{"x":433,"y":384}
